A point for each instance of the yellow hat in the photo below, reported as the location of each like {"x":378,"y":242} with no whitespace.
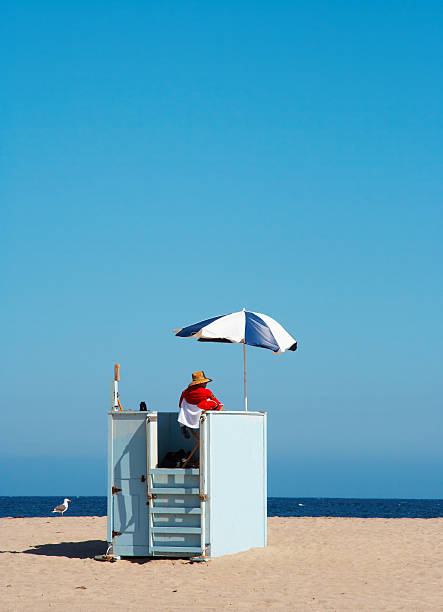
{"x":198,"y":378}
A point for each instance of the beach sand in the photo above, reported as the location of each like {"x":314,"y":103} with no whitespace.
{"x":309,"y":564}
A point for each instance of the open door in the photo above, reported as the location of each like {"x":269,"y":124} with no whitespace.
{"x":130,"y":514}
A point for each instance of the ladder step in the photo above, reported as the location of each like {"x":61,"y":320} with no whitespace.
{"x":183,"y":530}
{"x":172,"y":510}
{"x":176,"y":490}
{"x":185,"y":550}
{"x":187,"y":471}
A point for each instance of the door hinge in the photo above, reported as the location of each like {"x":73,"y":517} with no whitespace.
{"x":115,"y":490}
{"x":116,"y":533}
{"x":143,"y":478}
{"x":151,"y":496}
{"x":203,"y":497}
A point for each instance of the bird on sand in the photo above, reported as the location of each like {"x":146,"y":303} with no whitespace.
{"x":62,"y":507}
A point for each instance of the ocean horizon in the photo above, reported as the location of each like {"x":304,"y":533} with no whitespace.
{"x":40,"y":506}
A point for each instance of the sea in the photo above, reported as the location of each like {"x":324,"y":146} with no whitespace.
{"x":277,"y":506}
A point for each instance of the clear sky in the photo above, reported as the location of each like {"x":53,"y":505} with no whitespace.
{"x":165,"y":162}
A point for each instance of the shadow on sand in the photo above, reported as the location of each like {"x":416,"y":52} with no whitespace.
{"x":80,"y":550}
{"x":72,"y":550}
{"x":75,"y":550}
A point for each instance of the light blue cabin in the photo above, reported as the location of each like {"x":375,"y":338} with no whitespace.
{"x":217,"y":509}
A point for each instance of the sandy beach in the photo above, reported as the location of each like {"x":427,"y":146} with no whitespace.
{"x":309,"y":564}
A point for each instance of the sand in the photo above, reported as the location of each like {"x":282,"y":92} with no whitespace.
{"x":309,"y":564}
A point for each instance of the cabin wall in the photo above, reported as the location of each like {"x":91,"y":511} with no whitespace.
{"x":127,"y":463}
{"x":235,"y":451}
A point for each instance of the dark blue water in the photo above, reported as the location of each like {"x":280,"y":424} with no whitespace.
{"x":364,"y":508}
{"x":277,"y":506}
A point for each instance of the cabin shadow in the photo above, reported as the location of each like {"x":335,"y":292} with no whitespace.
{"x":77,"y":550}
{"x":72,"y":550}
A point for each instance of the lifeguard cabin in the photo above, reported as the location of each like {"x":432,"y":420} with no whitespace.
{"x":213,"y":509}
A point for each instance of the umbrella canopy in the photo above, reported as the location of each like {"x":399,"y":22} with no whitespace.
{"x":247,"y":327}
{"x":244,"y":327}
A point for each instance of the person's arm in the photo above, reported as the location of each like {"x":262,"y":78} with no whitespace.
{"x":218,"y":404}
{"x":209,"y":401}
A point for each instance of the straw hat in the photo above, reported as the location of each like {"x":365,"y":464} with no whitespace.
{"x":199,"y":378}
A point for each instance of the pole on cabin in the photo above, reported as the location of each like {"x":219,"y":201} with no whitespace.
{"x":244,"y":375}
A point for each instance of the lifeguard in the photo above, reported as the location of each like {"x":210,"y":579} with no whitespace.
{"x":195,"y":399}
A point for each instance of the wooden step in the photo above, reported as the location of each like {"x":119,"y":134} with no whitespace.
{"x":172,"y":510}
{"x":182,"y":530}
{"x":185,"y":550}
{"x":175,"y":490}
{"x":175,"y":471}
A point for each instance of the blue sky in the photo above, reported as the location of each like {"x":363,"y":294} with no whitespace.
{"x":167,"y":162}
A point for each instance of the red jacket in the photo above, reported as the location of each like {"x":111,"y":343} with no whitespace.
{"x":201,"y":397}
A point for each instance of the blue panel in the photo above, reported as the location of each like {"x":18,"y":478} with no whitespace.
{"x":129,"y":454}
{"x":185,"y":332}
{"x":130,"y":515}
{"x":257,"y":333}
{"x":236,"y":452}
{"x":110,"y":479}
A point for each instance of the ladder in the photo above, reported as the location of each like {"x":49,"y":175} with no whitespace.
{"x":176,"y":520}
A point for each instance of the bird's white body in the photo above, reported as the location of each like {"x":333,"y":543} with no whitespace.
{"x":62,"y":507}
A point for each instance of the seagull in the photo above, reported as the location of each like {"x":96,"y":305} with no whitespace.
{"x":63,"y":507}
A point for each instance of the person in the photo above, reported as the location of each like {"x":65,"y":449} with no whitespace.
{"x":194,"y":400}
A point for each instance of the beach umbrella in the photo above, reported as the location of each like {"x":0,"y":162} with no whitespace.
{"x":243,"y":327}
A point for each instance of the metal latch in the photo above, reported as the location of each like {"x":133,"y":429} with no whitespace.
{"x":116,"y":533}
{"x":143,"y":478}
{"x":115,"y":490}
{"x":151,"y":496}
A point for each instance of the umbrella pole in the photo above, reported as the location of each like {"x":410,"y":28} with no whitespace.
{"x":244,"y":375}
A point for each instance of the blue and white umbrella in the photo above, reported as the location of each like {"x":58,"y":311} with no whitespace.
{"x":243,"y":327}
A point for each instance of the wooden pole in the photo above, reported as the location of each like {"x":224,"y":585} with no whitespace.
{"x":116,"y":402}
